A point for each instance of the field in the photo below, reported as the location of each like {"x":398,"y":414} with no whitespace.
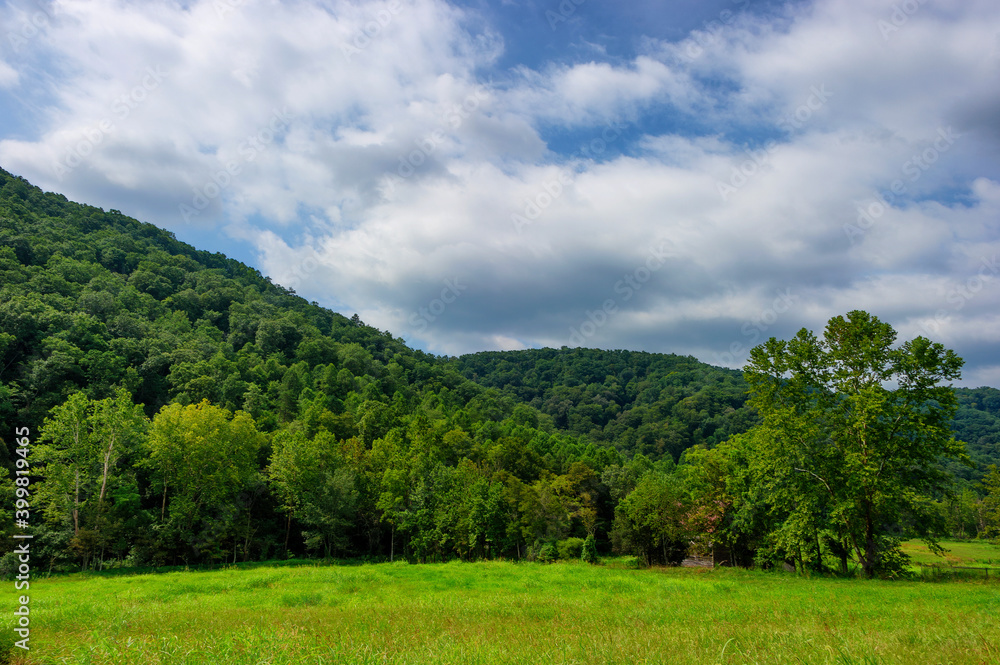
{"x":967,"y":554}
{"x":502,"y":612}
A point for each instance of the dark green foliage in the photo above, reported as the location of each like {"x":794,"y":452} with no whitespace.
{"x":647,"y":403}
{"x":589,"y":552}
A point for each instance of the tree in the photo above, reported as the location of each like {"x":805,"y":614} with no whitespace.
{"x":991,"y":503}
{"x":82,"y":444}
{"x":315,"y":484}
{"x":852,"y":431}
{"x":202,"y":459}
{"x":651,"y":521}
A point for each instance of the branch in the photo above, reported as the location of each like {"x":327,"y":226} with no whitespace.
{"x":825,"y":484}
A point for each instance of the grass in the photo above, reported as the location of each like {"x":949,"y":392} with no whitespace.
{"x":976,"y":553}
{"x":502,"y":612}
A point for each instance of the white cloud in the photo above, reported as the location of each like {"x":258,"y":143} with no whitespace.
{"x":388,"y":163}
{"x":8,"y":75}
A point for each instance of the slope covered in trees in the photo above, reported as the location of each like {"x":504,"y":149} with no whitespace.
{"x":99,"y":311}
{"x":183,"y":408}
{"x":650,"y":403}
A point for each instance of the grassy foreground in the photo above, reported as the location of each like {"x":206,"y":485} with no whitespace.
{"x":501,"y":612}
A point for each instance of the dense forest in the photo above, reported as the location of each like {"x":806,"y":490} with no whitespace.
{"x":184,"y":409}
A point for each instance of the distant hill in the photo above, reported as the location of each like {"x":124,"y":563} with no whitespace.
{"x":650,"y":403}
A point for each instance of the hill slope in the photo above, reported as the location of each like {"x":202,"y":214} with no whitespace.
{"x":267,"y":425}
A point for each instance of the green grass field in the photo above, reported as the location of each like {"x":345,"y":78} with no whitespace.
{"x":976,"y":554}
{"x":501,"y":612}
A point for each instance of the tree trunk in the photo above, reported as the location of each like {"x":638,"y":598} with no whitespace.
{"x":868,"y":565}
{"x":819,"y":553}
{"x":288,"y":532}
{"x":104,"y":475}
{"x":76,"y":506}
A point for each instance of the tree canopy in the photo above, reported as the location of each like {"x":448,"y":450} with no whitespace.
{"x":853,"y":429}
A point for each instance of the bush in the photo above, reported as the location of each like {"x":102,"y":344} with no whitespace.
{"x":569,"y":549}
{"x":546,"y":554}
{"x":589,"y":553}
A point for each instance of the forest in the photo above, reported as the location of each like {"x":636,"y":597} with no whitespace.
{"x":183,"y":409}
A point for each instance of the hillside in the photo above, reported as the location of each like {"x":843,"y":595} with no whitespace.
{"x":185,"y":409}
{"x":650,"y":403}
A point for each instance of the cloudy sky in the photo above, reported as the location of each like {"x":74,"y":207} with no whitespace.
{"x":680,"y":176}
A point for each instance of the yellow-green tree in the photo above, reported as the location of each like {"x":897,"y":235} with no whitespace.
{"x":204,"y":464}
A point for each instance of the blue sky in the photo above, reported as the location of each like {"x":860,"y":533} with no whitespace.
{"x":688,"y":177}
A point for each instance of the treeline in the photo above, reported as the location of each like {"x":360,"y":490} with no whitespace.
{"x":186,"y":410}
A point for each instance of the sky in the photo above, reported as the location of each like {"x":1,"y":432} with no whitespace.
{"x":682,"y":177}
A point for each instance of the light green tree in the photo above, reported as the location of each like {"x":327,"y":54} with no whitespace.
{"x":81,"y":445}
{"x":204,"y":462}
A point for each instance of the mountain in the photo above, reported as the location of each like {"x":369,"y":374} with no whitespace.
{"x":183,"y":408}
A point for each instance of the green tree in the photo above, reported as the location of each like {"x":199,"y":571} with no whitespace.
{"x":589,"y":554}
{"x":991,"y":503}
{"x":650,"y":521}
{"x":83,"y":444}
{"x":316,"y":485}
{"x":852,"y":431}
{"x":202,"y":458}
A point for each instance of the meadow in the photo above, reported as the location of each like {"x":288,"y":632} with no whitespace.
{"x":504,"y":612}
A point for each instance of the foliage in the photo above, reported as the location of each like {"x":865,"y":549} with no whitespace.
{"x":589,"y":551}
{"x":852,"y":430}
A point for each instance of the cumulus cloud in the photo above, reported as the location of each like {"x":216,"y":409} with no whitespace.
{"x":703,"y":194}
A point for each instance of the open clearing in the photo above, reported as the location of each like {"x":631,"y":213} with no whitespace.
{"x":502,"y":612}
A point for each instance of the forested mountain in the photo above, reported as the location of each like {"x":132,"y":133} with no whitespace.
{"x":95,"y":305}
{"x":650,"y":403}
{"x":182,"y":408}
{"x":978,"y":424}
{"x":657,"y":404}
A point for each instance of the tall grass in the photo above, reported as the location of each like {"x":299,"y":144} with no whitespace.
{"x":502,"y":612}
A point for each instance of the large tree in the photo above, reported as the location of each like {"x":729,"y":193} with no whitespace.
{"x":853,"y":429}
{"x":204,"y":463}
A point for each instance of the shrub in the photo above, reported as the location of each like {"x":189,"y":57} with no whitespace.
{"x":570,"y":548}
{"x":547,"y":553}
{"x":589,"y":553}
